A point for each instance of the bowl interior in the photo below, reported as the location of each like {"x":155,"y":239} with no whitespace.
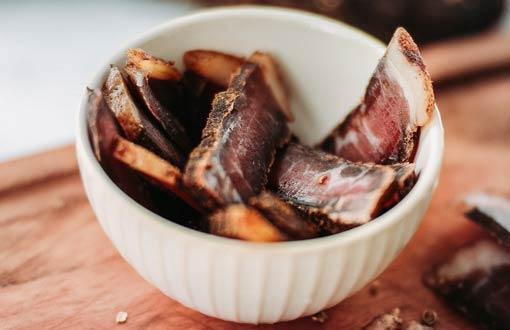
{"x":326,"y":65}
{"x":325,"y":69}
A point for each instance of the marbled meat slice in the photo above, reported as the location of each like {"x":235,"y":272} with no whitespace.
{"x":340,"y":193}
{"x":283,"y":216}
{"x":243,"y":132}
{"x":157,"y":84}
{"x":243,"y":222}
{"x":135,"y":124}
{"x":399,"y":99}
{"x":476,"y":282}
{"x":491,"y":212}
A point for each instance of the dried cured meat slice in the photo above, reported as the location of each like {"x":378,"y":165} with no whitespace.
{"x":243,"y":132}
{"x":476,"y":281}
{"x":341,"y":193}
{"x":491,"y":212}
{"x":283,"y":216}
{"x":135,"y":124}
{"x":156,"y":83}
{"x":399,"y":99}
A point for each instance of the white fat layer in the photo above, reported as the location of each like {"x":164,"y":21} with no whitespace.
{"x":410,"y":78}
{"x":373,"y":139}
{"x":496,"y":207}
{"x":350,"y":138}
{"x":483,"y":256}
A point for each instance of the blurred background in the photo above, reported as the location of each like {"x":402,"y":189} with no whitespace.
{"x":50,"y":49}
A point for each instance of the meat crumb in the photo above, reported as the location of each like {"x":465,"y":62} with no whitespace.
{"x":121,"y":317}
{"x":320,"y":317}
{"x":388,"y":321}
{"x":374,"y":288}
{"x":429,"y":317}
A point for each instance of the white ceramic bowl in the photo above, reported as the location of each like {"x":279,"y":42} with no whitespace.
{"x":327,"y":65}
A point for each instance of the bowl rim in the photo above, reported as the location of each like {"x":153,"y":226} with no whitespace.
{"x":426,"y":181}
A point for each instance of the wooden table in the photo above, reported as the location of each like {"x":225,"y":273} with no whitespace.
{"x":58,"y":269}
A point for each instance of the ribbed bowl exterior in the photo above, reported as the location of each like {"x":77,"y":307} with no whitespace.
{"x":243,"y":285}
{"x":256,"y":282}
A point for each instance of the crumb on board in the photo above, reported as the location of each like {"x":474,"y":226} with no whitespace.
{"x":429,"y":317}
{"x":320,"y":317}
{"x":121,"y":317}
{"x":388,"y":321}
{"x":373,"y":289}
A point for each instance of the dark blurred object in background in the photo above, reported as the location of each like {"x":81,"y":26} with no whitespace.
{"x":427,"y":20}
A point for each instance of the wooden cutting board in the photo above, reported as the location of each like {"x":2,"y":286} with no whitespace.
{"x":58,"y":269}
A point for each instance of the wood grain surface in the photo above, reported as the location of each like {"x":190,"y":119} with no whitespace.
{"x":58,"y":269}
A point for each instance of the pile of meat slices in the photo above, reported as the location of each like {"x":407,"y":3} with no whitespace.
{"x":211,"y":148}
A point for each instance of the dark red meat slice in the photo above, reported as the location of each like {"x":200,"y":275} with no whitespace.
{"x":283,"y":216}
{"x":243,"y":131}
{"x":476,"y":281}
{"x":134,"y":122}
{"x":103,"y":133}
{"x":341,"y":193}
{"x":156,"y":83}
{"x":398,"y":100}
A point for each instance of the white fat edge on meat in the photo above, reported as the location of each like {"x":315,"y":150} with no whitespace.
{"x":496,"y":207}
{"x":371,"y":137}
{"x":139,"y":79}
{"x":410,"y":77}
{"x":483,"y":256}
{"x":350,"y":138}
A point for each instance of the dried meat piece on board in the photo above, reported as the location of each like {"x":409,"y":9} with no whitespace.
{"x":136,"y":125}
{"x":341,"y":194}
{"x":492,"y":212}
{"x":399,"y":99}
{"x":476,"y":282}
{"x":243,"y":132}
{"x":157,"y":84}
